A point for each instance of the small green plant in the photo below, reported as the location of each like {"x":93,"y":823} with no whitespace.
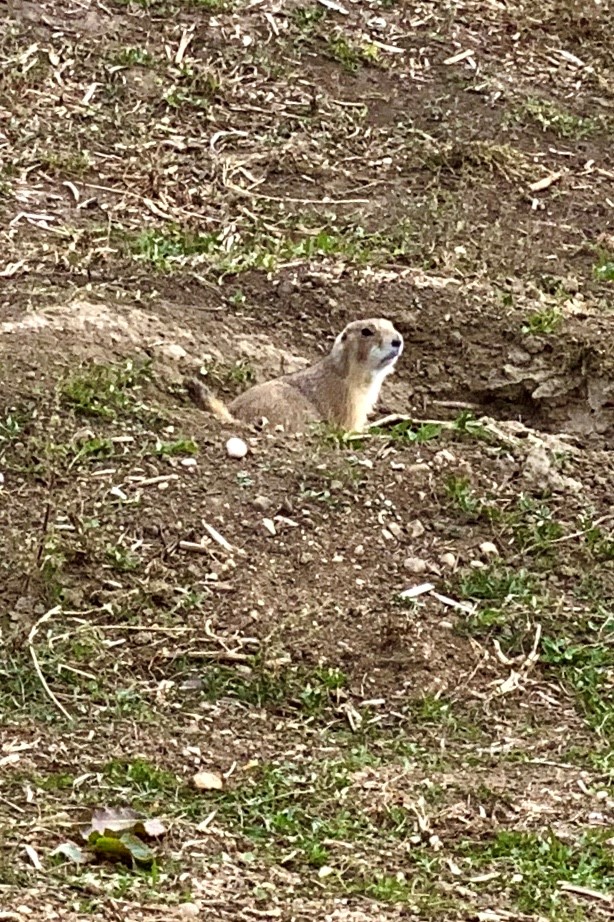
{"x":133,"y":57}
{"x":604,"y":270}
{"x":178,"y":447}
{"x":344,"y":53}
{"x":543,"y":322}
{"x":601,"y":544}
{"x":141,"y":778}
{"x":496,"y":583}
{"x":551,"y":118}
{"x":106,"y":391}
{"x":237,"y":298}
{"x":11,"y":428}
{"x":407,"y":431}
{"x":533,"y":525}
{"x":231,"y":378}
{"x":462,"y":495}
{"x":532,"y":866}
{"x":588,"y":668}
{"x":91,"y":449}
{"x":75,"y":163}
{"x":306,"y":18}
{"x":121,"y":559}
{"x":309,"y":691}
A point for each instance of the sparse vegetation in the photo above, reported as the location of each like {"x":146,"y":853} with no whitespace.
{"x":542,"y":322}
{"x":388,"y":656}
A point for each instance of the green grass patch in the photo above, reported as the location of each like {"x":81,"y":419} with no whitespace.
{"x":257,"y":248}
{"x":550,"y":117}
{"x":532,"y":867}
{"x":587,"y":666}
{"x":309,"y":691}
{"x":106,"y":391}
{"x":604,"y":270}
{"x":495,"y":583}
{"x":543,"y":323}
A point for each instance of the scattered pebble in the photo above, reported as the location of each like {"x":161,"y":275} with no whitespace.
{"x":416,"y":529}
{"x":188,"y":911}
{"x":396,"y":530}
{"x":262,"y":503}
{"x":359,"y":550}
{"x":415,"y":565}
{"x":236,"y":448}
{"x":444,"y":457}
{"x":336,"y":486}
{"x":173,"y":351}
{"x":188,"y":462}
{"x":489,"y":549}
{"x":448,"y":560}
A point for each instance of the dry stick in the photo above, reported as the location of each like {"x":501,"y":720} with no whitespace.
{"x":585,"y":891}
{"x":570,"y":537}
{"x":41,"y":544}
{"x":39,"y":672}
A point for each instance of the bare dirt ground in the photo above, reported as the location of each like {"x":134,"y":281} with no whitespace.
{"x":224,"y":185}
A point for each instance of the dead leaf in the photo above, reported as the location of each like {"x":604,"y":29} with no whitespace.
{"x":208,"y":781}
{"x":109,"y":820}
{"x":71,"y":851}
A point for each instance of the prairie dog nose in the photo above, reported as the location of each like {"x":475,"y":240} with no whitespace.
{"x":397,"y":342}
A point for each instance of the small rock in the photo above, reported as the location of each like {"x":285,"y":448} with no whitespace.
{"x":188,"y":462}
{"x":359,"y":550}
{"x":335,"y":486}
{"x":188,"y":911}
{"x":444,"y":457}
{"x":269,"y":524}
{"x":448,"y":560}
{"x":396,"y":530}
{"x":416,"y":529}
{"x":173,"y":351}
{"x":208,"y":781}
{"x":262,"y":503}
{"x":236,"y":448}
{"x":415,"y":565}
{"x":489,"y":549}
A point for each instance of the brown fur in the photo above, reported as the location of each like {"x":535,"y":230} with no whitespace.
{"x":341,"y":389}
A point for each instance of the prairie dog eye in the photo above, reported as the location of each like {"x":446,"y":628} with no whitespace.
{"x":367,"y":332}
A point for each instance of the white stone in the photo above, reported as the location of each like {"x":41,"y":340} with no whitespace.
{"x":236,"y":448}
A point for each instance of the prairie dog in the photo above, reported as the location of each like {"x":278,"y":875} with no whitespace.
{"x":341,"y":389}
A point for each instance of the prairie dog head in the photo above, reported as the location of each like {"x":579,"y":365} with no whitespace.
{"x":368,"y":347}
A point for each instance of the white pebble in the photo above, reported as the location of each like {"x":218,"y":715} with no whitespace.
{"x":236,"y":448}
{"x":448,"y":560}
{"x":188,"y":462}
{"x":489,"y":549}
{"x":416,"y":528}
